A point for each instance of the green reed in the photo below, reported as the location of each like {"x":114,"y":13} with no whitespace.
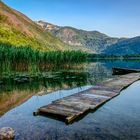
{"x":19,"y":59}
{"x":28,"y":55}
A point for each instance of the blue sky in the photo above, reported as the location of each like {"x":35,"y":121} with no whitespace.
{"x":118,"y":18}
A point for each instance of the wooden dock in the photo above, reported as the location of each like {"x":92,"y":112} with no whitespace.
{"x":71,"y":107}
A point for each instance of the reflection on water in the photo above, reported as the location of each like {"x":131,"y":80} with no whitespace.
{"x":8,"y":100}
{"x":14,"y":93}
{"x":117,"y":119}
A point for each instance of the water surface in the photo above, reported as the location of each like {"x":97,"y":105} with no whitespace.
{"x":117,"y":119}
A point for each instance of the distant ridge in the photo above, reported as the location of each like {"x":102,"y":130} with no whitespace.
{"x":125,"y":47}
{"x":93,"y":40}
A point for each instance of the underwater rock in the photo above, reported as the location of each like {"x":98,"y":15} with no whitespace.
{"x":7,"y":133}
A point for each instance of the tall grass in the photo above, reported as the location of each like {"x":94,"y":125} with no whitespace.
{"x":27,"y":54}
{"x":31,"y":60}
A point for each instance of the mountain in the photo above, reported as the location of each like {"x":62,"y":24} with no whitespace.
{"x":125,"y":47}
{"x":18,"y":30}
{"x":92,"y":40}
{"x":95,"y":41}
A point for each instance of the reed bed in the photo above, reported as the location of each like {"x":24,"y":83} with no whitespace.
{"x":26,"y":59}
{"x":27,"y":55}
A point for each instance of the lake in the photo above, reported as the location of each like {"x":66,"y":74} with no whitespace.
{"x":117,"y":119}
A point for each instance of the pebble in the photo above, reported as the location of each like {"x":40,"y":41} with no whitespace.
{"x":7,"y":133}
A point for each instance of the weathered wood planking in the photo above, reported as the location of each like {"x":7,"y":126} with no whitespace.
{"x":71,"y":107}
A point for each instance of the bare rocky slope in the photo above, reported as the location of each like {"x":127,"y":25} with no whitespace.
{"x":92,"y":40}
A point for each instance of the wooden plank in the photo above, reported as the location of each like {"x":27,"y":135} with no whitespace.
{"x":103,"y":92}
{"x":75,"y":103}
{"x":73,"y":106}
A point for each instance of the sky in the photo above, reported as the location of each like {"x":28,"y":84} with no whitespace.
{"x":116,"y":18}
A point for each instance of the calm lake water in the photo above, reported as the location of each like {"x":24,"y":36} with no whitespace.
{"x":118,"y":119}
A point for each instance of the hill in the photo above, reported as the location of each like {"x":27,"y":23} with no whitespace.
{"x":18,"y":30}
